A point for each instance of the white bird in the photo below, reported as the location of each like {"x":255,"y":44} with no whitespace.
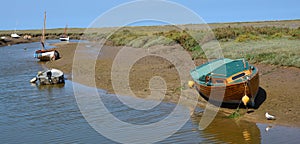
{"x":269,"y":117}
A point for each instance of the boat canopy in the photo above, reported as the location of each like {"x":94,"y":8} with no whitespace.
{"x":220,"y":68}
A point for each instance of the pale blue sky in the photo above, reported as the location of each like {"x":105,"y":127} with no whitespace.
{"x":28,"y":14}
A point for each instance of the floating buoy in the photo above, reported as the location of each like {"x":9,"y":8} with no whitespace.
{"x":245,"y":99}
{"x":191,"y":84}
{"x":33,"y":80}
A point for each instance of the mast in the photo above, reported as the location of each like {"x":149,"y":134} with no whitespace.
{"x":65,"y":33}
{"x":16,"y":27}
{"x":43,"y":33}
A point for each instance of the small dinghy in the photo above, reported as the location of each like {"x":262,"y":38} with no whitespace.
{"x":48,"y":77}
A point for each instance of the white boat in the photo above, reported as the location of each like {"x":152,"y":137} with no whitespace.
{"x":46,"y":54}
{"x":15,"y":35}
{"x":64,"y":37}
{"x":3,"y":37}
{"x":48,"y":77}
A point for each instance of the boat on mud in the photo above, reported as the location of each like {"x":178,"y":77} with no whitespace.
{"x":226,"y":80}
{"x":64,"y":36}
{"x":46,"y":54}
{"x":49,"y":77}
{"x":15,"y":35}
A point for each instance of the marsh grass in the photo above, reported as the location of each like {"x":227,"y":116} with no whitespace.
{"x":277,"y":46}
{"x":280,"y":51}
{"x":274,"y":42}
{"x":265,"y":44}
{"x":235,"y":114}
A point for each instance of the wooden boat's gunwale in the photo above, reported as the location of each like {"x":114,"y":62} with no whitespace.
{"x":229,"y":84}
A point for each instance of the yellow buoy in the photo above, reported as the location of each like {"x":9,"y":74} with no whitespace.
{"x":245,"y":99}
{"x":191,"y":84}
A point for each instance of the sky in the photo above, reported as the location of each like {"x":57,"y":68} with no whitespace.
{"x":28,"y":14}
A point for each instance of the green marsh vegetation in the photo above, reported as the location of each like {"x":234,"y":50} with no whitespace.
{"x":273,"y":42}
{"x":268,"y":44}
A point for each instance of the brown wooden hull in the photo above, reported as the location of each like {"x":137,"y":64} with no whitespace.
{"x":232,"y":93}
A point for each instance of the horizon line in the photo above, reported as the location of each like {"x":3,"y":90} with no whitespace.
{"x":232,"y":22}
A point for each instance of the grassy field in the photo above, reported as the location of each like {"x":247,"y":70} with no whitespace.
{"x":270,"y":42}
{"x":276,"y":43}
{"x":280,"y":51}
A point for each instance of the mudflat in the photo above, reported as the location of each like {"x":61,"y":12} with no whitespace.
{"x":278,"y":94}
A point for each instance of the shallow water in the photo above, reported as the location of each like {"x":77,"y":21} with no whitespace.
{"x":50,"y":114}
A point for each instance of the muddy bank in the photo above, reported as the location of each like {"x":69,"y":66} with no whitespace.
{"x":12,"y":41}
{"x":7,"y":40}
{"x":278,"y":93}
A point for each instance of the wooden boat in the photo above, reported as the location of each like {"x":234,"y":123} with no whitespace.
{"x":43,"y":54}
{"x":48,"y":77}
{"x":64,"y":37}
{"x":226,"y":80}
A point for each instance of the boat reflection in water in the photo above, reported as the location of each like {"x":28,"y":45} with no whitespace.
{"x":226,"y":130}
{"x":44,"y":87}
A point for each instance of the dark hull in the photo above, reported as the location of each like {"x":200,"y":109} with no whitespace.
{"x":64,"y":40}
{"x":232,"y":93}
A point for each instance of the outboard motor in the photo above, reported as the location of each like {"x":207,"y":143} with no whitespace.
{"x":56,"y":54}
{"x":49,"y":75}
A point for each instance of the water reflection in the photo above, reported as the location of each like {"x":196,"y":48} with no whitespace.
{"x":49,"y":87}
{"x":223,"y":129}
